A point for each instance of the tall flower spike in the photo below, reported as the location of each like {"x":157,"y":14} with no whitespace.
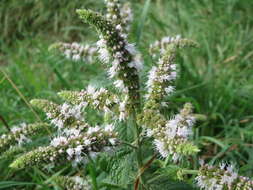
{"x":223,"y":177}
{"x":124,"y":67}
{"x":19,"y":135}
{"x":161,"y":46}
{"x":72,"y":147}
{"x":72,"y":183}
{"x":126,"y":16}
{"x":100,"y":99}
{"x":113,"y":11}
{"x":170,"y":137}
{"x":162,"y":76}
{"x":63,"y":115}
{"x":120,"y":15}
{"x":76,"y":52}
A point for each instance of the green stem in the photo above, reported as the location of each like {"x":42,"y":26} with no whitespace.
{"x":138,"y":151}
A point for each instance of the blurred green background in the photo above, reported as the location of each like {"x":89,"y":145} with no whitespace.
{"x":217,"y":78}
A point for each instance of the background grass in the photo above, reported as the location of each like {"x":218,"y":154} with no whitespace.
{"x":217,"y":78}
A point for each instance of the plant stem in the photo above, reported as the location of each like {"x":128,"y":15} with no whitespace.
{"x":138,"y":151}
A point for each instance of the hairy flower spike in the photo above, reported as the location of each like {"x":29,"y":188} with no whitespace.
{"x":72,"y":183}
{"x":100,"y":99}
{"x":161,"y":46}
{"x":74,"y":147}
{"x":113,"y":11}
{"x":171,"y":137}
{"x":161,"y":77}
{"x":63,"y":115}
{"x":76,"y":52}
{"x":120,"y":15}
{"x":19,"y":135}
{"x":126,"y":15}
{"x":124,"y":66}
{"x":222,"y":178}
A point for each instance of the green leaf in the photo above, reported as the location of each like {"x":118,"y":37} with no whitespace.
{"x":8,"y":184}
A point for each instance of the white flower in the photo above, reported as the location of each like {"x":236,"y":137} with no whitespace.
{"x":87,"y":142}
{"x":119,"y":84}
{"x":118,"y":27}
{"x":95,"y":95}
{"x":58,"y":122}
{"x":23,"y":139}
{"x":72,"y":132}
{"x":112,"y":141}
{"x":92,"y":130}
{"x":160,"y":146}
{"x":76,"y":57}
{"x":152,"y":76}
{"x":70,"y":152}
{"x":171,"y":129}
{"x":59,"y":141}
{"x":112,"y":72}
{"x":109,"y":128}
{"x":184,"y":132}
{"x":149,"y":132}
{"x":122,"y":116}
{"x":15,"y":129}
{"x":78,"y":150}
{"x":104,"y":54}
{"x":131,"y":49}
{"x":91,"y":89}
{"x":67,"y":53}
{"x":169,"y":89}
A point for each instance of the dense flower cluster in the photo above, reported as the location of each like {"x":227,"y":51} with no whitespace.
{"x":73,"y":145}
{"x":100,"y":99}
{"x":113,"y":45}
{"x":76,"y":51}
{"x":162,"y":76}
{"x":161,"y":45}
{"x":20,"y":135}
{"x":223,"y":177}
{"x":120,"y":15}
{"x":171,"y":137}
{"x":63,"y":115}
{"x":113,"y":11}
{"x":126,"y":16}
{"x":72,"y":183}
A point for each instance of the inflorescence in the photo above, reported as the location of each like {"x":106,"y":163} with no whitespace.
{"x":223,"y":177}
{"x":76,"y":51}
{"x":72,"y":183}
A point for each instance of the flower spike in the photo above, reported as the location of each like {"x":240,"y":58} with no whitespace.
{"x":170,"y":137}
{"x":114,"y":46}
{"x":63,"y":115}
{"x":222,"y":177}
{"x":73,"y":146}
{"x":75,"y":51}
{"x":72,"y":183}
{"x":19,"y":135}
